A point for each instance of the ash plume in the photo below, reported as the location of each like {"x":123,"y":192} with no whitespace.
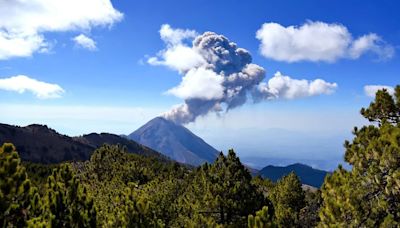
{"x":219,"y":76}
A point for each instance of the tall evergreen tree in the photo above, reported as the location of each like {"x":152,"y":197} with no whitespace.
{"x":384,"y":108}
{"x":18,"y":198}
{"x":369,"y":194}
{"x":67,"y":202}
{"x":288,"y":199}
{"x":223,"y":191}
{"x":136,"y":213}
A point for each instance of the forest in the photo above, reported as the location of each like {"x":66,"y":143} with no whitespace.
{"x":115,"y":188}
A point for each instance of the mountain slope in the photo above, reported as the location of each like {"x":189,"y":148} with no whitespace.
{"x":40,"y":144}
{"x":96,"y":140}
{"x":307,"y":174}
{"x":174,"y":141}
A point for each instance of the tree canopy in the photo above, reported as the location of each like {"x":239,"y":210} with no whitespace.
{"x":369,"y":194}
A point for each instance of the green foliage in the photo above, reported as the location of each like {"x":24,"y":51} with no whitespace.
{"x":163,"y":196}
{"x":288,"y":199}
{"x":151,"y":183}
{"x":137,"y":213}
{"x":38,"y":174}
{"x":264,"y":186}
{"x":113,"y":163}
{"x":223,"y":192}
{"x":18,"y":199}
{"x":384,"y":108}
{"x":264,"y":218}
{"x":117,"y":189}
{"x":67,"y":202}
{"x":369,"y":194}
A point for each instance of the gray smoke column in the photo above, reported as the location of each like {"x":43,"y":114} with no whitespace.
{"x":224,"y":60}
{"x":219,"y":76}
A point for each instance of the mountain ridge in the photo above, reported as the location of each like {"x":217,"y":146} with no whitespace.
{"x":41,"y":144}
{"x":307,"y":174}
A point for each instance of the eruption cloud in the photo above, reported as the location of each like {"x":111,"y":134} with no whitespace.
{"x":219,"y":76}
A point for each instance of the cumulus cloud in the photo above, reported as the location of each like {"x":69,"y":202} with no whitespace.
{"x":199,"y":83}
{"x":175,"y":36}
{"x":177,"y":55}
{"x":285,"y":87}
{"x":219,"y":76}
{"x":370,"y":90}
{"x":85,"y":42}
{"x":22,"y":83}
{"x":23,"y":23}
{"x":372,"y":43}
{"x":318,"y":41}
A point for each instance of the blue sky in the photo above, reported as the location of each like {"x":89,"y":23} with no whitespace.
{"x":109,"y":86}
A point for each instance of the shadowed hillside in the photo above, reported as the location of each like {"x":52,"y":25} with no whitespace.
{"x":307,"y":174}
{"x":38,"y":143}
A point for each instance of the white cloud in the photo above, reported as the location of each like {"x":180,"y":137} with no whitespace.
{"x":20,"y":46}
{"x":85,"y":42}
{"x":372,"y":43}
{"x":285,"y":87}
{"x":175,"y":36}
{"x":23,"y":23}
{"x":22,"y":83}
{"x":317,"y":41}
{"x":177,"y":55}
{"x":199,"y":83}
{"x":370,"y":90}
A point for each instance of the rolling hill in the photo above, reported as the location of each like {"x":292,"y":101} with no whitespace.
{"x":307,"y":174}
{"x":40,"y":144}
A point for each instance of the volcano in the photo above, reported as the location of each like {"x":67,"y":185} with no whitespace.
{"x":174,"y":141}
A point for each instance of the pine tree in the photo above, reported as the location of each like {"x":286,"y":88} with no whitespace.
{"x":288,"y":199}
{"x":67,"y":203}
{"x":162,"y":195}
{"x":18,"y":198}
{"x":223,"y":191}
{"x":384,"y":108}
{"x":264,"y":218}
{"x":369,"y":194}
{"x":136,"y":213}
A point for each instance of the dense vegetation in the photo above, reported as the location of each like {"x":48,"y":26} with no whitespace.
{"x":119,"y":189}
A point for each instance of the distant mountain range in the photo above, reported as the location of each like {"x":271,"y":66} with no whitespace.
{"x":259,"y":162}
{"x":38,"y":143}
{"x":307,"y":174}
{"x":174,"y":141}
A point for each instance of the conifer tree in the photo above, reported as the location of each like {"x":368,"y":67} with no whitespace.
{"x":18,"y":198}
{"x":384,"y":108}
{"x":369,"y":194}
{"x":136,"y":213}
{"x":67,"y":202}
{"x":288,"y":199}
{"x":224,"y":192}
{"x":264,"y":218}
